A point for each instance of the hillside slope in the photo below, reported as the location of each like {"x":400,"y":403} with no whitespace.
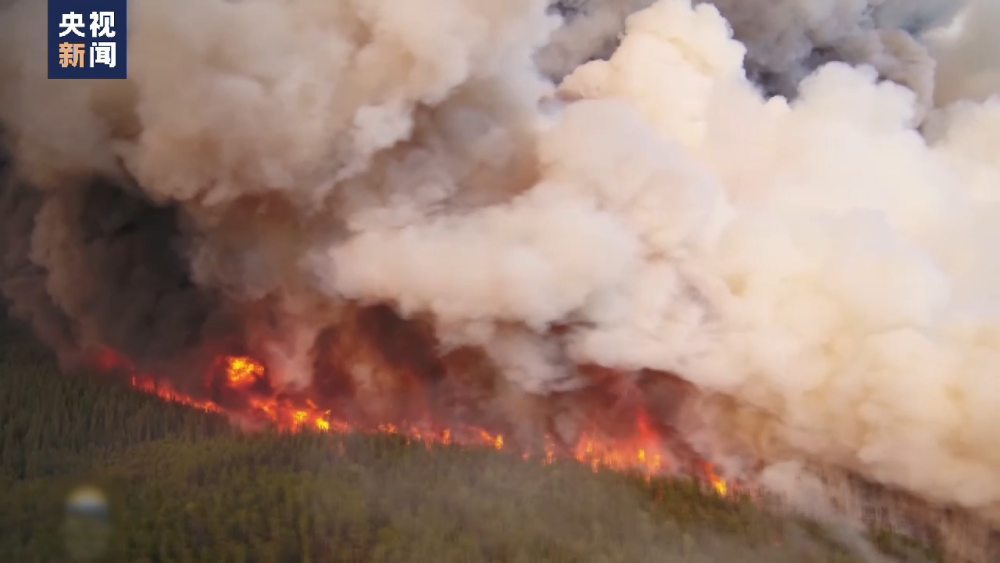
{"x":184,"y":486}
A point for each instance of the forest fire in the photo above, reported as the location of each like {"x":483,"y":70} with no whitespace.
{"x":243,"y":370}
{"x":245,"y":377}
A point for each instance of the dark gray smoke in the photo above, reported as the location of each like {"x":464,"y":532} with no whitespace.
{"x":94,"y":263}
{"x":789,"y":39}
{"x":21,"y":280}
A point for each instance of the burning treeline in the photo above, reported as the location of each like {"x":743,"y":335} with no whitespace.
{"x":493,"y":217}
{"x":409,"y":392}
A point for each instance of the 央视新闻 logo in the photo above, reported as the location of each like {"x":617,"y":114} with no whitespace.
{"x":88,"y":39}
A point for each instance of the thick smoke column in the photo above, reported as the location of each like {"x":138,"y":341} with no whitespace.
{"x":819,"y":261}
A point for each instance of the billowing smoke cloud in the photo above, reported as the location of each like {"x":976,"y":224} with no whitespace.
{"x":966,"y":68}
{"x":789,"y":39}
{"x":821,"y":261}
{"x":786,"y":40}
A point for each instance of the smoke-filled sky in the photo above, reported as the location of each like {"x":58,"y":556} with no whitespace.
{"x":796,"y":207}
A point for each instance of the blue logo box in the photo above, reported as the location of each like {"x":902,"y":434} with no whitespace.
{"x":88,"y":39}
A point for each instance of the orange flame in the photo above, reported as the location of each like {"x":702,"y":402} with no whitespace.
{"x":643,"y":452}
{"x":166,"y":392}
{"x":718,"y":483}
{"x":241,"y":370}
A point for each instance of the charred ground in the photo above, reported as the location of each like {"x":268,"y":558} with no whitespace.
{"x":186,"y":486}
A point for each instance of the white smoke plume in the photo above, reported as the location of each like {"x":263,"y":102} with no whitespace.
{"x":821,"y":260}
